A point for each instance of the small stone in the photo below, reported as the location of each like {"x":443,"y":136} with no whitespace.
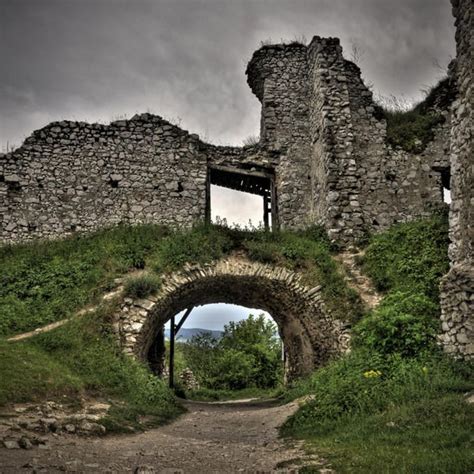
{"x":11,"y":444}
{"x":25,"y":443}
{"x":144,"y":469}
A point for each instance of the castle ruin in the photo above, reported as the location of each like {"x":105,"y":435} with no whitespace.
{"x":323,"y":158}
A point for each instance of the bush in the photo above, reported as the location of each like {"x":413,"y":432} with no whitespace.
{"x":411,"y":130}
{"x":200,"y":245}
{"x":142,"y":286}
{"x":404,"y":323}
{"x":247,"y":356}
{"x":410,"y":257}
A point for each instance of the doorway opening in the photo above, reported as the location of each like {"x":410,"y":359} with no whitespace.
{"x":241,"y":196}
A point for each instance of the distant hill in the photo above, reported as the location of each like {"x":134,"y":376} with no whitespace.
{"x":185,"y":334}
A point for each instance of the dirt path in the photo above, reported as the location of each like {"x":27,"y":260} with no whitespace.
{"x":210,"y":438}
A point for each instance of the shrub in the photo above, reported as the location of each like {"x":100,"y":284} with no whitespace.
{"x":247,"y":355}
{"x":404,"y":323}
{"x":141,"y":286}
{"x":410,"y":257}
{"x":411,"y":130}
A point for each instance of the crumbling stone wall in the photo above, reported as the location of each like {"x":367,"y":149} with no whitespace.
{"x":321,"y":138}
{"x":457,"y":287}
{"x":72,"y":176}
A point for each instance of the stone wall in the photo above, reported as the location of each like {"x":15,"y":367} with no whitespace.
{"x":321,"y":139}
{"x":310,"y":334}
{"x":457,"y":287}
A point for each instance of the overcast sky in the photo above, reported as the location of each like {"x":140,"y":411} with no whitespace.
{"x":99,"y":60}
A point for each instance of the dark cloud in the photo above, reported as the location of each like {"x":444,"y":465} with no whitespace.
{"x":185,"y":59}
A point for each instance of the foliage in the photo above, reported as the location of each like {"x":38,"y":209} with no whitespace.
{"x":200,"y":353}
{"x":200,"y":245}
{"x":247,"y":356}
{"x":412,"y":128}
{"x":404,"y":323}
{"x":43,"y":282}
{"x":410,"y":257}
{"x":412,"y":403}
{"x":141,"y":286}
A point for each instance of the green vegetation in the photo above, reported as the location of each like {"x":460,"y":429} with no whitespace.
{"x":141,"y":286}
{"x":83,"y":357}
{"x":413,"y":129}
{"x":49,"y":281}
{"x":410,"y":258}
{"x":44,"y":282}
{"x":247,"y":356}
{"x":395,"y":404}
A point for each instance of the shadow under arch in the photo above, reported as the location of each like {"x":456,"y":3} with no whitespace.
{"x":309,"y":333}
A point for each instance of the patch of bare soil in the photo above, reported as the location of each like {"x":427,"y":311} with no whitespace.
{"x":209,"y":438}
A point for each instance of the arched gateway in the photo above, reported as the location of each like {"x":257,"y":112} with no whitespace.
{"x":310,"y":335}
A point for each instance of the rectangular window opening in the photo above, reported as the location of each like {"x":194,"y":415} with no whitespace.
{"x":241,"y":198}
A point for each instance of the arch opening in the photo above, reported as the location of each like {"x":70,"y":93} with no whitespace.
{"x":311,"y":336}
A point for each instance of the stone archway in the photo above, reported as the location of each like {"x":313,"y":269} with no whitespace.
{"x":310,"y":334}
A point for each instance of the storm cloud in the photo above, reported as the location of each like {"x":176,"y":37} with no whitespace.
{"x":97,"y":60}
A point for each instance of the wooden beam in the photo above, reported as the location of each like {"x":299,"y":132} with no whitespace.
{"x":183,"y":319}
{"x":274,"y":205}
{"x":229,"y":169}
{"x":171,"y":361}
{"x":265,"y":211}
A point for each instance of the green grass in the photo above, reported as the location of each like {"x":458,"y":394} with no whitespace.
{"x":410,"y":418}
{"x":44,"y":282}
{"x":28,"y":373}
{"x":83,"y":357}
{"x":427,"y":436}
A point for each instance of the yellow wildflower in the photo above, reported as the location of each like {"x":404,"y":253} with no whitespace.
{"x":372,"y":373}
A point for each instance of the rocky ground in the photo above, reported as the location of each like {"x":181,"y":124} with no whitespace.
{"x":210,"y":438}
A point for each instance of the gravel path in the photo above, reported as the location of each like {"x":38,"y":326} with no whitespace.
{"x":209,"y":438}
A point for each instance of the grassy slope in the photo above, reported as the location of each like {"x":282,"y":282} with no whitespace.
{"x":375,"y":412}
{"x":45,"y":282}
